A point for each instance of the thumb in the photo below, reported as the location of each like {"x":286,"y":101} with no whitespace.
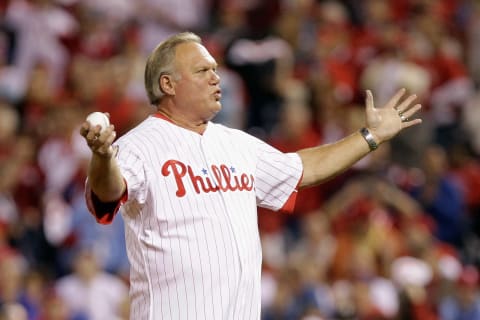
{"x":369,"y":101}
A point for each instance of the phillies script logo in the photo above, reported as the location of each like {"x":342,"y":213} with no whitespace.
{"x":224,"y":178}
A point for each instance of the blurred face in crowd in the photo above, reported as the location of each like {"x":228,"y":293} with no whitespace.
{"x":196,"y":83}
{"x":435,"y":161}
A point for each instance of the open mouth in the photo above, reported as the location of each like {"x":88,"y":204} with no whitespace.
{"x":218,"y":95}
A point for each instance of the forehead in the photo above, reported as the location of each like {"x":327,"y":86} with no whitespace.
{"x":190,"y":54}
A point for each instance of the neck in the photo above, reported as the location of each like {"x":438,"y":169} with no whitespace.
{"x":182,"y":121}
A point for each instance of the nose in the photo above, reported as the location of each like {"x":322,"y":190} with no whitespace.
{"x":215,"y":79}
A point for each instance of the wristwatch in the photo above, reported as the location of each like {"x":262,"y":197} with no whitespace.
{"x":367,"y":135}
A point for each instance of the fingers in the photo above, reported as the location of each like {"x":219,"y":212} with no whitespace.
{"x":106,"y":147}
{"x":405,"y":109}
{"x":84,"y":128}
{"x":410,"y":123}
{"x":406,"y":104}
{"x":408,"y":114}
{"x":98,"y":142}
{"x":401,"y":108}
{"x":396,"y":98}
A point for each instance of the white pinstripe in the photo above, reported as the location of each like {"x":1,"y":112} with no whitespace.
{"x":197,"y":254}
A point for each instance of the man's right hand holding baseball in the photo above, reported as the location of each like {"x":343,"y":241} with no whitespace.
{"x":100,"y":142}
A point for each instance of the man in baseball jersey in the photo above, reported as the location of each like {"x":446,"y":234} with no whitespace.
{"x":190,"y":188}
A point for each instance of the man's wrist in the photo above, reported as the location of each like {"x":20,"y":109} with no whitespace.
{"x":369,"y":138}
{"x":108,"y":154}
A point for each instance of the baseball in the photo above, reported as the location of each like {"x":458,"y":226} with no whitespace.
{"x":98,"y":119}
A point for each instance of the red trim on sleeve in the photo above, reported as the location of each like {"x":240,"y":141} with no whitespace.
{"x":289,"y":205}
{"x":104,"y":212}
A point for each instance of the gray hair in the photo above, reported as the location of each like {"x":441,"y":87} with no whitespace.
{"x":161,"y":61}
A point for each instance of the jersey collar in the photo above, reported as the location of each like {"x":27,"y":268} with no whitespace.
{"x":162,"y":116}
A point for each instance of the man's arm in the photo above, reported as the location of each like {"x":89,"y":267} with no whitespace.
{"x":104,"y":176}
{"x":323,"y":162}
{"x":326,"y":161}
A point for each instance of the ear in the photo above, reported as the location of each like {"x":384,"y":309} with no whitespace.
{"x":166,"y":84}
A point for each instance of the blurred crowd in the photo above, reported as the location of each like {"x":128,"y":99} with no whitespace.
{"x":395,"y":237}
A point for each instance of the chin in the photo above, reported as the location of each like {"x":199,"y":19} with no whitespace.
{"x":217,"y":107}
{"x":214,"y":112}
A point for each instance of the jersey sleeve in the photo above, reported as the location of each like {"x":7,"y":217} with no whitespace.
{"x":277,"y":178}
{"x":133,"y":170}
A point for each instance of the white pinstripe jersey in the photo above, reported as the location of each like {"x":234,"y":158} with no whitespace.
{"x":191,"y":218}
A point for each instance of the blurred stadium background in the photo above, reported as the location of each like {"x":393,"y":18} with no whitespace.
{"x":395,"y":237}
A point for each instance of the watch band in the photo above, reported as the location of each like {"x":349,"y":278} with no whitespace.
{"x":367,"y":135}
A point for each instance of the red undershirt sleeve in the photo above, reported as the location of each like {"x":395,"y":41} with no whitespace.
{"x":289,"y":205}
{"x":104,"y":212}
